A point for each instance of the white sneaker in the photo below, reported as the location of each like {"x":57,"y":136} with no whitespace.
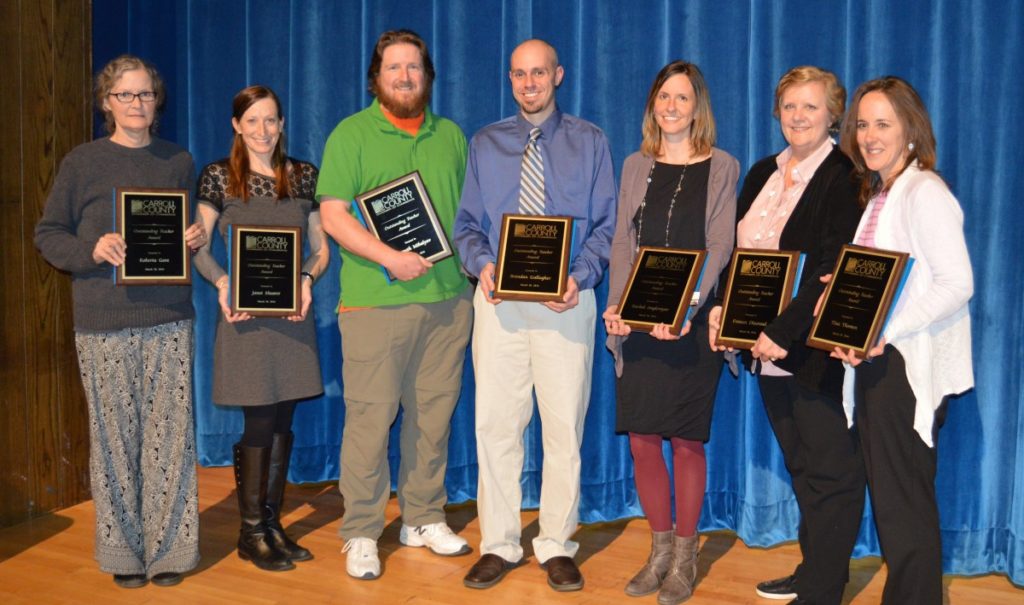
{"x":362,"y":561}
{"x":438,"y":537}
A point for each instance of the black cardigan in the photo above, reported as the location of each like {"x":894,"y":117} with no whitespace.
{"x":824,"y":219}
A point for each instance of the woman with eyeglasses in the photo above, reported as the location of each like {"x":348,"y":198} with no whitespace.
{"x":134,"y":343}
{"x":263,"y":364}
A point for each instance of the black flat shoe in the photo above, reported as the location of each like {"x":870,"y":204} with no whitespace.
{"x":130,"y":580}
{"x":169,"y":578}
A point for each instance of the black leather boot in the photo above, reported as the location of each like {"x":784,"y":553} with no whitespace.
{"x":254,"y":544}
{"x":277,"y":477}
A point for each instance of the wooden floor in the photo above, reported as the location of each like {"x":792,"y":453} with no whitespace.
{"x":49,"y":560}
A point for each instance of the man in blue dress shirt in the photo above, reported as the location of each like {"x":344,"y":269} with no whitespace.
{"x":522,"y":346}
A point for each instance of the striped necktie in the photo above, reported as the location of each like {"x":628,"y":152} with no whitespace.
{"x":531,"y":178}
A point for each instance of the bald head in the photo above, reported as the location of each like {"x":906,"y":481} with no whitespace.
{"x":535,"y":47}
{"x":535,"y":75}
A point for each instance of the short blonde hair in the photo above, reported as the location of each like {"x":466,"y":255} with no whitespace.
{"x":107,"y":78}
{"x":835,"y":94}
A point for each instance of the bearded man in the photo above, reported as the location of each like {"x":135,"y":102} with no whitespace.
{"x":403,"y":341}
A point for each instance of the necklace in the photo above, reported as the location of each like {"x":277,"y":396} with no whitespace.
{"x":671,"y":205}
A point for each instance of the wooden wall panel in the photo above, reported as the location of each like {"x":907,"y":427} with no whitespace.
{"x":72,"y":126}
{"x":14,"y":461}
{"x":45,"y":92}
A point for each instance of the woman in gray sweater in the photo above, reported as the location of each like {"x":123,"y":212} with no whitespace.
{"x":134,"y":343}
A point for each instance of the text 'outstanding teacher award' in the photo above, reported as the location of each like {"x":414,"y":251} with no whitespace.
{"x":264,"y":266}
{"x":865,"y":284}
{"x":152,"y":223}
{"x":760,"y":286}
{"x":400,"y":214}
{"x":660,"y":288}
{"x":533,"y":258}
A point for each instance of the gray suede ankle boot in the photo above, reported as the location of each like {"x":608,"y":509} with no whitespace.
{"x":649,"y":578}
{"x":682,"y":574}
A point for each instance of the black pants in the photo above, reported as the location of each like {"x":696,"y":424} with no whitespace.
{"x":823,"y":457}
{"x":901,"y":477}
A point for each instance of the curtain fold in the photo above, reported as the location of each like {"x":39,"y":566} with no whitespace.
{"x":962,"y":57}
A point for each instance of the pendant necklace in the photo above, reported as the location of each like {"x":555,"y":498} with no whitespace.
{"x":671,"y":205}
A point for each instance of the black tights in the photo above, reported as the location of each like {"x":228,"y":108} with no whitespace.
{"x":262,"y":421}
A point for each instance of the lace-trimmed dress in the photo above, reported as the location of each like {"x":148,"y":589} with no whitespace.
{"x":263,"y":360}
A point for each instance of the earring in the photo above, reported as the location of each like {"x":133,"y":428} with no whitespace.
{"x":910,"y":146}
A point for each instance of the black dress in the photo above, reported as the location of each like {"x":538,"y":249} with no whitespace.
{"x":668,"y":388}
{"x":266,"y":359}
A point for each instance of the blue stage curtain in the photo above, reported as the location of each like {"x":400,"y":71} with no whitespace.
{"x":962,"y":56}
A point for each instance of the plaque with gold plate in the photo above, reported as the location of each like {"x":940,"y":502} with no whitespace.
{"x":760,"y":286}
{"x":660,"y":288}
{"x":533,"y":258}
{"x":152,"y":223}
{"x":264,"y":266}
{"x":865,"y":285}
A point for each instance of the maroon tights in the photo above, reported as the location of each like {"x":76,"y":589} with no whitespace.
{"x":652,"y":481}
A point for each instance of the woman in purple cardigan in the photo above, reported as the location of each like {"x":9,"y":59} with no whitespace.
{"x":678,"y":191}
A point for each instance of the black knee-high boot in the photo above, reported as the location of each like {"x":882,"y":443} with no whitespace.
{"x":277,"y":477}
{"x":251,"y":464}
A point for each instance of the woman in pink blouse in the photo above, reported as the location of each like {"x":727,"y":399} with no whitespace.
{"x":804,"y":199}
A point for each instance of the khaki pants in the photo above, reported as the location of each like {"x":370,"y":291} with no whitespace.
{"x":519,"y":347}
{"x":410,"y":355}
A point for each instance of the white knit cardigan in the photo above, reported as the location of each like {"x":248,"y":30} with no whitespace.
{"x":930,"y":325}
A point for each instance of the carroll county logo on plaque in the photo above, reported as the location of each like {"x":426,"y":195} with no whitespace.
{"x":864,"y":286}
{"x":264,"y":265}
{"x":761,"y":284}
{"x":153,"y":223}
{"x":533,"y":257}
{"x":401,"y":214}
{"x":660,"y":288}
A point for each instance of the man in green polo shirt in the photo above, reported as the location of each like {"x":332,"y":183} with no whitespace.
{"x":403,"y":341}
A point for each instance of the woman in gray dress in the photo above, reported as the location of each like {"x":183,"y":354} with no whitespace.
{"x":134,"y":343}
{"x":263,"y":364}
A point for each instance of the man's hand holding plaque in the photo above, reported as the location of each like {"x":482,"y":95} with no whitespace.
{"x":660,"y":288}
{"x":761,"y":284}
{"x":855,"y":305}
{"x":533,"y":259}
{"x":264,"y":265}
{"x":400,"y":214}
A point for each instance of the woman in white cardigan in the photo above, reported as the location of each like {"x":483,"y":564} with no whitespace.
{"x":924,"y":354}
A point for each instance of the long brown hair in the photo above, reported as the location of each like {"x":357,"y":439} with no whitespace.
{"x":702,"y":131}
{"x":238,"y":161}
{"x":917,"y":130}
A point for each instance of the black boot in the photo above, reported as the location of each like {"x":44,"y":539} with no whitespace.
{"x":254,"y":544}
{"x":277,"y":477}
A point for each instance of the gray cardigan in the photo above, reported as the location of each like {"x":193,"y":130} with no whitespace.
{"x":719,"y":228}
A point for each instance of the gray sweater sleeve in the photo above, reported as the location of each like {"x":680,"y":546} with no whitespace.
{"x":56,"y":235}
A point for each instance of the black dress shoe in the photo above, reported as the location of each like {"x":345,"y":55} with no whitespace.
{"x":563,"y":575}
{"x":130,"y":580}
{"x":779,"y":588}
{"x":168,"y":578}
{"x":488,"y":571}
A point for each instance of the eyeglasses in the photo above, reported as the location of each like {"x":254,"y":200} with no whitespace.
{"x":146,"y":96}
